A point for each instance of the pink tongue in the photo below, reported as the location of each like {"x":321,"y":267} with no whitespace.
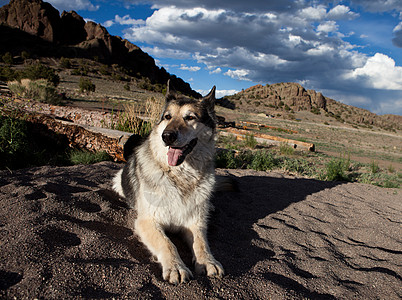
{"x":173,"y":156}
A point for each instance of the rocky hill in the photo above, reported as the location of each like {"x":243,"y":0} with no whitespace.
{"x":290,"y":98}
{"x":37,"y":27}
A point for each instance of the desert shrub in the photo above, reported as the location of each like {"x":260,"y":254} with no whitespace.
{"x":104,"y":70}
{"x":65,"y":63}
{"x":286,"y":149}
{"x":40,"y":90}
{"x":250,"y":141}
{"x":130,"y":120}
{"x":263,"y":161}
{"x":315,"y":110}
{"x":336,"y":169}
{"x":7,"y":74}
{"x":8,"y":58}
{"x":78,"y":157}
{"x":17,"y":88}
{"x":39,"y":71}
{"x":43,"y":91}
{"x":14,"y":147}
{"x":25,"y":55}
{"x":86,"y":85}
{"x":374,"y":168}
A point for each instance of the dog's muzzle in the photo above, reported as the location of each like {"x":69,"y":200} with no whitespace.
{"x":176,"y":155}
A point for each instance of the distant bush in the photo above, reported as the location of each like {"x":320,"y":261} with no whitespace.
{"x":336,"y":169}
{"x":40,"y":90}
{"x":250,"y":141}
{"x":7,"y":74}
{"x":8,"y":58}
{"x":25,"y":55}
{"x":103,"y":70}
{"x":86,"y":85}
{"x":65,"y":63}
{"x":39,"y":71}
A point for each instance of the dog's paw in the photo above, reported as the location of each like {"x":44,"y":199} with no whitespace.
{"x":177,"y":274}
{"x":212,"y":268}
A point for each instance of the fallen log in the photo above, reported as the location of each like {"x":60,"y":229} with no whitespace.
{"x":262,"y":137}
{"x":259,"y":125}
{"x":86,"y":137}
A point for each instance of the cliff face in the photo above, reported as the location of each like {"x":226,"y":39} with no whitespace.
{"x":291,"y":94}
{"x":70,"y":36}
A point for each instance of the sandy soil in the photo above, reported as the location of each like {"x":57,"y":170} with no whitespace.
{"x":64,"y":235}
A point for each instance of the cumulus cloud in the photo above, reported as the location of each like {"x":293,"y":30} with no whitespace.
{"x":73,"y":5}
{"x":127,"y":20}
{"x":239,"y":74}
{"x":379,"y":72}
{"x":215,"y":71}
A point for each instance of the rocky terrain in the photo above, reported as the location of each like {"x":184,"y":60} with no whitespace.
{"x":36,"y":27}
{"x":290,"y":98}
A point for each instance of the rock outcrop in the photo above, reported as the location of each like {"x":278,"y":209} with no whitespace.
{"x":70,"y":36}
{"x":292,"y":96}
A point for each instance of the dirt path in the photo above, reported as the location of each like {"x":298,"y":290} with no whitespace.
{"x":64,"y":235}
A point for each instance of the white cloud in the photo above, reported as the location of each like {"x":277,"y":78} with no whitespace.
{"x":127,"y":20}
{"x":219,"y":93}
{"x":313,"y":13}
{"x":191,"y":68}
{"x":108,"y":23}
{"x":238,"y":74}
{"x":73,"y":5}
{"x":216,"y":71}
{"x":327,"y":26}
{"x":379,"y":72}
{"x":341,"y":12}
{"x":166,"y":53}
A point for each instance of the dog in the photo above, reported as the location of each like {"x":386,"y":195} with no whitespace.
{"x":168,"y":180}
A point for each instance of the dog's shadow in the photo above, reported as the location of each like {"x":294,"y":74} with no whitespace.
{"x":232,"y":238}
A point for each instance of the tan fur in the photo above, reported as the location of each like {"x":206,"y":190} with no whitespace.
{"x":174,"y":198}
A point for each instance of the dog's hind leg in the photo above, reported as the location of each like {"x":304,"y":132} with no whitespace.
{"x":154,"y":237}
{"x":203,"y":258}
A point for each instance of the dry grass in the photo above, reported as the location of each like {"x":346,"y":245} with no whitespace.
{"x":139,"y":119}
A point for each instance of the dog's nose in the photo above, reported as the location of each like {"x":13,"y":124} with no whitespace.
{"x":169,"y":137}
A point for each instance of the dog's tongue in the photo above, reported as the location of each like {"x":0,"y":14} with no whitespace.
{"x":173,"y":155}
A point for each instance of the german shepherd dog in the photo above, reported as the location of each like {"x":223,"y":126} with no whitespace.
{"x":168,"y":180}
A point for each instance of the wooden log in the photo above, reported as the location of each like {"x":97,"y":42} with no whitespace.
{"x":265,"y":126}
{"x":262,"y":137}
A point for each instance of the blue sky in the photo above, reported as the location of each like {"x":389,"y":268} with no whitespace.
{"x":351,"y":51}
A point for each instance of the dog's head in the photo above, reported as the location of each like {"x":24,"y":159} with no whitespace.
{"x":185,"y":122}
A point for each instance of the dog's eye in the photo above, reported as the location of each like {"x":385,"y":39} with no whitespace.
{"x":189,"y":118}
{"x":168,"y":117}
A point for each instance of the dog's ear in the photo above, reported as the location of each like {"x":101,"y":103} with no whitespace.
{"x":170,"y":92}
{"x":209,"y":100}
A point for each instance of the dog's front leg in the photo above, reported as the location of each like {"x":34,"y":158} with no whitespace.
{"x":203,"y":258}
{"x":154,"y":237}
